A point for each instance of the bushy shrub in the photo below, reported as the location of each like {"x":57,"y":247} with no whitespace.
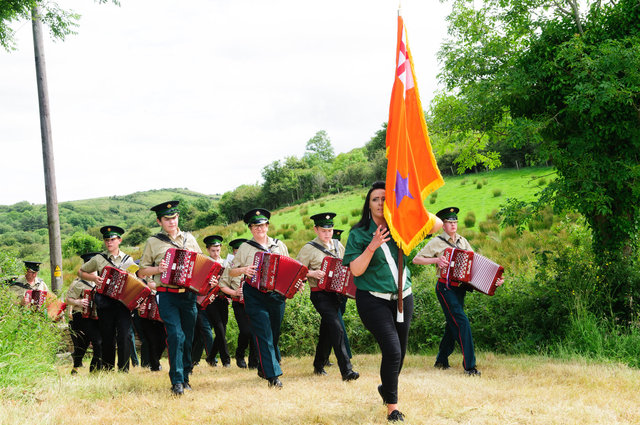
{"x":344,"y":219}
{"x":304,"y":211}
{"x":80,"y":243}
{"x":356,"y":212}
{"x":136,"y":235}
{"x":489,"y":226}
{"x":497,"y":192}
{"x":29,"y":342}
{"x":470,"y":219}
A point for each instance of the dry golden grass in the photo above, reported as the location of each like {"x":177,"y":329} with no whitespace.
{"x":512,"y":390}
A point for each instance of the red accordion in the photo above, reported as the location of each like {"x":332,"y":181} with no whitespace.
{"x":474,"y":269}
{"x":35,"y":297}
{"x":148,"y":309}
{"x":123,"y":286}
{"x":337,"y":278}
{"x":278,"y":273}
{"x":190,"y":270}
{"x":204,"y":300}
{"x":89,"y":312}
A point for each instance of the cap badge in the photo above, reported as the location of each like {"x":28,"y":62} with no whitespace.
{"x":168,"y":205}
{"x":257,"y":212}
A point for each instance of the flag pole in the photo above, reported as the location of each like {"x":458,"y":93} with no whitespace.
{"x":400,"y":315}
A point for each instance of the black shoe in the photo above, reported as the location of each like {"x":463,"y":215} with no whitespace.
{"x":241,"y":363}
{"x":177,"y":389}
{"x":440,"y":365}
{"x":319,"y":371}
{"x":275,"y":382}
{"x":212,"y":364}
{"x":381,"y":395}
{"x":260,"y":374}
{"x":253,"y":366}
{"x":327,"y":363}
{"x":472,"y":372}
{"x":186,"y":386}
{"x":395,"y":416}
{"x":226,"y":364}
{"x":158,"y":369}
{"x":352,"y":375}
{"x":74,"y":371}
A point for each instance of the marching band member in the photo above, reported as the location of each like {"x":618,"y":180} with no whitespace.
{"x":114,"y":317}
{"x":176,"y":305}
{"x":326,"y":303}
{"x":84,"y":331}
{"x":451,"y":296}
{"x":265,"y":309}
{"x":154,"y":338}
{"x":232,"y":287}
{"x":30,"y":281}
{"x":218,"y":310}
{"x":372,"y":255}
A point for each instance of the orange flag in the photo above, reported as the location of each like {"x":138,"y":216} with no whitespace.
{"x":412,"y":171}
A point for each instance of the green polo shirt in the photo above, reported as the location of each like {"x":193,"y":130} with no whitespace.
{"x":377,"y":277}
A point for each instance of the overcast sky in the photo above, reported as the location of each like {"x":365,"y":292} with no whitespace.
{"x":155,"y":94}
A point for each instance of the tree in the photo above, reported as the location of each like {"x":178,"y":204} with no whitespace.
{"x":319,"y":149}
{"x":59,"y":21}
{"x":567,"y":75}
{"x":234,"y":204}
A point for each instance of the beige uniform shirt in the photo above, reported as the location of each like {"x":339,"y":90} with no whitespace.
{"x":312,"y":257}
{"x":75,"y":291}
{"x":17,"y":287}
{"x":155,"y":249}
{"x":246,"y":252}
{"x":436,"y":246}
{"x":98,"y":262}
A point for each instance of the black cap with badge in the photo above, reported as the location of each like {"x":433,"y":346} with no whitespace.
{"x":323,"y":219}
{"x":213,"y":240}
{"x":110,"y":232}
{"x":337,"y":233}
{"x":257,"y":216}
{"x":235,"y":244}
{"x":166,"y":209}
{"x":448,"y":214}
{"x":34,"y":266}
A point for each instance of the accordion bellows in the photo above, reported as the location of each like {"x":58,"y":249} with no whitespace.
{"x":337,"y":278}
{"x":278,"y":273}
{"x":190,"y":270}
{"x":148,"y":309}
{"x":123,"y":286}
{"x":472,"y":268}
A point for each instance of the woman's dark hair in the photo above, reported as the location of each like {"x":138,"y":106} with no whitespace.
{"x":365,"y":220}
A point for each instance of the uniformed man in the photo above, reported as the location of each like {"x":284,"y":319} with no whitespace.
{"x":177,"y":306}
{"x":218,"y":310}
{"x":84,"y":330}
{"x":326,"y":303}
{"x":451,"y":295}
{"x":115,"y":317}
{"x":265,"y":309}
{"x":29,"y":282}
{"x":232,"y":286}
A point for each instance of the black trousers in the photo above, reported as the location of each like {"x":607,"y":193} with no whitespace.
{"x":244,"y":335}
{"x":85,"y":332}
{"x":379,"y":317}
{"x":331,"y":331}
{"x":218,"y":314}
{"x":156,"y":340}
{"x":115,"y":322}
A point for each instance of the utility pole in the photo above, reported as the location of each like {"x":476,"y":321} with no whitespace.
{"x":53,"y":219}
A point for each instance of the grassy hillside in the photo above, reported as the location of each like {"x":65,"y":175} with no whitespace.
{"x":480,"y":193}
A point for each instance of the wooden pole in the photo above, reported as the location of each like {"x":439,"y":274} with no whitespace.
{"x":55,"y":249}
{"x":400,"y":316}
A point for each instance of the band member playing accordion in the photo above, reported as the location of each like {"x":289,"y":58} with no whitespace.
{"x":451,"y":294}
{"x":325,"y":302}
{"x":115,"y":318}
{"x":85,"y":329}
{"x":264,"y":309}
{"x":232,"y":286}
{"x":176,"y":304}
{"x":29,"y":282}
